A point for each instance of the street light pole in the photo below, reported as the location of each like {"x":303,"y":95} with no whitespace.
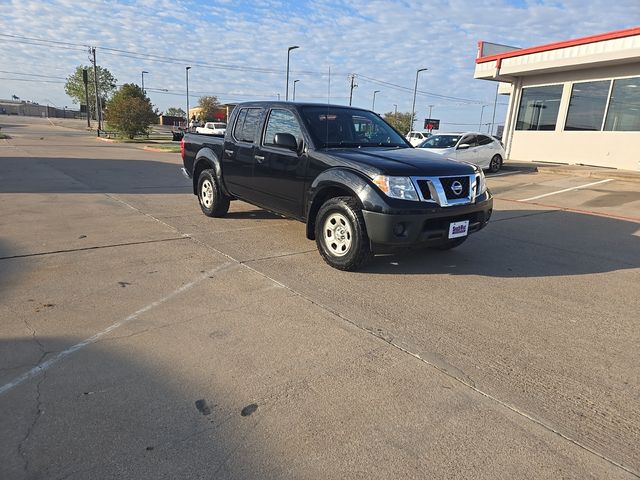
{"x":187,"y":72}
{"x":373,"y":105}
{"x":481,"y":114}
{"x":288,"y":53}
{"x":143,"y":72}
{"x":415,"y":91}
{"x":294,"y":89}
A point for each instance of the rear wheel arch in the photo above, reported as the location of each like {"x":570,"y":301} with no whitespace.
{"x":205,"y":160}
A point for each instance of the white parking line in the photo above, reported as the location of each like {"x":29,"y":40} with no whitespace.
{"x":566,"y":190}
{"x":42,"y":367}
{"x":502,"y":174}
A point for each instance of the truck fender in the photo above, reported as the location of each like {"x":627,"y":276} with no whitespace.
{"x":338,"y":182}
{"x":205,"y":159}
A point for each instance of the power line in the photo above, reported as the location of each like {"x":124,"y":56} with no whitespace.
{"x":182,"y":61}
{"x":32,"y":75}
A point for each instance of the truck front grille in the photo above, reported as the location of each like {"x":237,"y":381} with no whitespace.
{"x":423,"y":185}
{"x":447,"y":191}
{"x":455,"y":187}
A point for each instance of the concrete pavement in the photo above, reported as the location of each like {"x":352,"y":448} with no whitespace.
{"x":182,"y":346}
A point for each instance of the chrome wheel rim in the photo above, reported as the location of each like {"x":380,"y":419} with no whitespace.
{"x":495,"y":163}
{"x":337,"y":234}
{"x":206,"y":193}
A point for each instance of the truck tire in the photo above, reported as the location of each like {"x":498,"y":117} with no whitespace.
{"x":448,"y":245}
{"x":212,"y":201}
{"x":341,"y":234}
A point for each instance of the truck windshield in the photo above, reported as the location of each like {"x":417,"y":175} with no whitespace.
{"x":343,"y":127}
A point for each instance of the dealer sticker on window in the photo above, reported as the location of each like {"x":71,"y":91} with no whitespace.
{"x":458,"y":229}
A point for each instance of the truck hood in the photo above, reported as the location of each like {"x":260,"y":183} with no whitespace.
{"x":401,"y":161}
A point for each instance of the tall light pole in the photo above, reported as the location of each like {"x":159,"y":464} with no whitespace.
{"x":294,"y":89}
{"x":288,"y":53}
{"x":143,"y":72}
{"x":495,"y":102}
{"x":373,"y":105}
{"x":186,"y":69}
{"x":481,"y":114}
{"x":430,"y":107}
{"x":415,"y":90}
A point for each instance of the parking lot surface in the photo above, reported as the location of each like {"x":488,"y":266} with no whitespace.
{"x":141,"y":339}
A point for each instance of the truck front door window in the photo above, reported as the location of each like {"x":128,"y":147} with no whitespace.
{"x":281,"y":121}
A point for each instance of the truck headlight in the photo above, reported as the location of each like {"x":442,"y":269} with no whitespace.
{"x":396,"y":187}
{"x":481,"y":182}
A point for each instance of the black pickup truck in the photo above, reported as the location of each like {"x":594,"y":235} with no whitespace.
{"x":354,"y":180}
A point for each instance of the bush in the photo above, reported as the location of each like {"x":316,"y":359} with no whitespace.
{"x":130,"y":111}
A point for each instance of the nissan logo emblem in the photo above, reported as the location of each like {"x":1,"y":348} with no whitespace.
{"x":456,"y":187}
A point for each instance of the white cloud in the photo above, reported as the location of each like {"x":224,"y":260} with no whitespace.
{"x":382,"y":39}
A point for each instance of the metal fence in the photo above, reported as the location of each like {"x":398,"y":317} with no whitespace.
{"x":36,"y":110}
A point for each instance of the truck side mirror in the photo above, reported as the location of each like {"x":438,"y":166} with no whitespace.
{"x":286,"y":140}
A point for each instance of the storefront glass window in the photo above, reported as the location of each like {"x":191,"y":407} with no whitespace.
{"x":624,"y":108}
{"x":539,"y":108}
{"x":587,"y":105}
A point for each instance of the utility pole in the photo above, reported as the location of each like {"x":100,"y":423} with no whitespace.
{"x":95,"y":81}
{"x":85,"y":80}
{"x":353,"y":85}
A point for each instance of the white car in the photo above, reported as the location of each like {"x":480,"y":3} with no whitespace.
{"x":476,"y":148}
{"x":416,"y":138}
{"x":213,"y":128}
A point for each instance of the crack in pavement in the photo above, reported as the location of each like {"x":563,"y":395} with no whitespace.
{"x":97,"y":247}
{"x":39,"y":412}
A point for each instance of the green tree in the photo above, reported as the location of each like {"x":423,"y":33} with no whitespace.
{"x":129,"y":111}
{"x":401,"y":121}
{"x":175,"y":112}
{"x":74,"y":87}
{"x":209,"y":105}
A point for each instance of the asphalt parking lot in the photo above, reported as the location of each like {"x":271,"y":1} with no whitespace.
{"x":141,"y":339}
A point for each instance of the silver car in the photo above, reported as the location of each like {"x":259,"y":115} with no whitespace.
{"x":476,"y":148}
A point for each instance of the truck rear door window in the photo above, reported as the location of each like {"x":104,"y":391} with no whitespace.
{"x":247,"y":124}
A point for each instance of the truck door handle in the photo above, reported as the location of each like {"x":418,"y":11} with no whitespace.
{"x":259,"y":158}
{"x":229,"y":152}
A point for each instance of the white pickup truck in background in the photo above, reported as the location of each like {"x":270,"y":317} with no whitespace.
{"x":213,"y":128}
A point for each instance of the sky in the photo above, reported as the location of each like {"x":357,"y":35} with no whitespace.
{"x":238,"y":49}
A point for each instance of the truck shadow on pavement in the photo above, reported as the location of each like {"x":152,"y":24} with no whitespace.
{"x":98,"y":413}
{"x":523,"y":243}
{"x":88,"y":175}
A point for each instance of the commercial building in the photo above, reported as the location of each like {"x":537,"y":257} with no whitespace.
{"x":574,"y":102}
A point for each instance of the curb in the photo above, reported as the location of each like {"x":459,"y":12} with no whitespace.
{"x":574,"y":171}
{"x":589,"y":172}
{"x":108,"y":140}
{"x":154,"y":149}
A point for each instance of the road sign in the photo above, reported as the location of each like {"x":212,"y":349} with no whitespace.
{"x":431,"y":124}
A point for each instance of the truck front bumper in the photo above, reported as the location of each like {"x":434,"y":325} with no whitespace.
{"x":428,"y":228}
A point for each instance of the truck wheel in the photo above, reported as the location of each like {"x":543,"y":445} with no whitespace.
{"x":495,"y":164}
{"x":448,"y":245}
{"x":213,"y":202}
{"x":341,"y":234}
